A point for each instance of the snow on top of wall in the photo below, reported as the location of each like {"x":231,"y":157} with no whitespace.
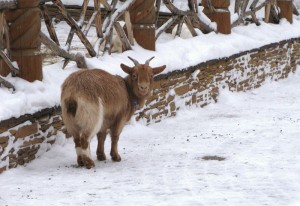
{"x":176,"y":53}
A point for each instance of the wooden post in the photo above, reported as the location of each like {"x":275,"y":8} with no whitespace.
{"x":143,"y":16}
{"x":1,"y":35}
{"x":217,"y":11}
{"x":24,"y":32}
{"x":286,"y":9}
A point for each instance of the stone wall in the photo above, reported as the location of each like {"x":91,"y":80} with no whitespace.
{"x":27,"y":137}
{"x":201,"y":84}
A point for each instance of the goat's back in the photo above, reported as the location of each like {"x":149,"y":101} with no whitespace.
{"x":90,"y":97}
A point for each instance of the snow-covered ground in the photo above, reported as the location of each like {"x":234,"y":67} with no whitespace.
{"x":257,"y":133}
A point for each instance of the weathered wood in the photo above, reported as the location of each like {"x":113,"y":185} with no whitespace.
{"x":13,"y":67}
{"x":237,"y":6}
{"x":6,"y":84}
{"x":267,"y":12}
{"x":21,"y":4}
{"x":242,"y":11}
{"x":157,"y":6}
{"x":244,"y":6}
{"x":108,"y":25}
{"x":106,"y":5}
{"x":193,"y":5}
{"x":79,"y":23}
{"x":129,"y":27}
{"x":121,"y":34}
{"x":190,"y":26}
{"x":78,"y":58}
{"x":274,"y":13}
{"x":286,"y":9}
{"x":98,"y":21}
{"x":7,"y":39}
{"x":253,"y":5}
{"x":165,"y":26}
{"x":78,"y":31}
{"x":209,"y":6}
{"x":196,"y":21}
{"x":217,"y":4}
{"x":251,"y":12}
{"x":179,"y":27}
{"x":143,"y":17}
{"x":89,"y":24}
{"x":1,"y":30}
{"x":175,"y":10}
{"x":24,"y":28}
{"x":221,"y":15}
{"x":295,"y":10}
{"x":48,"y":22}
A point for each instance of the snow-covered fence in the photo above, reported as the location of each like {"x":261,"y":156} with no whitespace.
{"x":25,"y":138}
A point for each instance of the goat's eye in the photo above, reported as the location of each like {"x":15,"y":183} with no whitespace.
{"x":134,"y":76}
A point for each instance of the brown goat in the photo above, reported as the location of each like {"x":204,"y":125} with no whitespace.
{"x":96,"y":102}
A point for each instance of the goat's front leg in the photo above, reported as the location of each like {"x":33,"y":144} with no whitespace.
{"x":115,"y":133}
{"x":114,"y":148}
{"x":100,"y":149}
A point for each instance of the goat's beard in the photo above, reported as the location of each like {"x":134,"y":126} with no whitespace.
{"x":143,"y":94}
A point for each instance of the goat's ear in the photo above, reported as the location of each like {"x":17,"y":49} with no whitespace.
{"x":126,"y":69}
{"x":158,"y":70}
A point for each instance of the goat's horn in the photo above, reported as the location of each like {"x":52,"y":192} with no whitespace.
{"x":134,"y":61}
{"x":148,"y":61}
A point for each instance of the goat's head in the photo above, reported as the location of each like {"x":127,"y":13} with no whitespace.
{"x":141,"y":76}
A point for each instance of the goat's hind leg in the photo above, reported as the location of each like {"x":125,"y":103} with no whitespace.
{"x":100,"y":149}
{"x":85,"y":151}
{"x":77,"y":142}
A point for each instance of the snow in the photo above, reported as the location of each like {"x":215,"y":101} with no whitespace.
{"x":176,"y":53}
{"x":257,"y":132}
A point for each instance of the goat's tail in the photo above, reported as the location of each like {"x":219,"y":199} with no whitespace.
{"x":71,"y":106}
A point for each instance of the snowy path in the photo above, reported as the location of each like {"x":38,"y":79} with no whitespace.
{"x":257,"y":132}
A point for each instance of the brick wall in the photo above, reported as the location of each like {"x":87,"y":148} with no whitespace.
{"x":200,"y":85}
{"x":25,"y":138}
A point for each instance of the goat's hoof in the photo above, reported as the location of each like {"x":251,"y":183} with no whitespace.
{"x":116,"y":158}
{"x":80,"y":161}
{"x":101,"y":157}
{"x":88,"y":163}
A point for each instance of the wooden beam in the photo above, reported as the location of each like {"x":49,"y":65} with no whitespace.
{"x":98,"y":21}
{"x":78,"y":58}
{"x":48,"y":22}
{"x":14,"y":68}
{"x":165,"y":26}
{"x":79,"y":23}
{"x":6,"y":84}
{"x":129,"y":27}
{"x":125,"y":42}
{"x":179,"y":27}
{"x":1,"y":30}
{"x":190,"y":26}
{"x":157,"y":6}
{"x":237,"y":6}
{"x":73,"y":24}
